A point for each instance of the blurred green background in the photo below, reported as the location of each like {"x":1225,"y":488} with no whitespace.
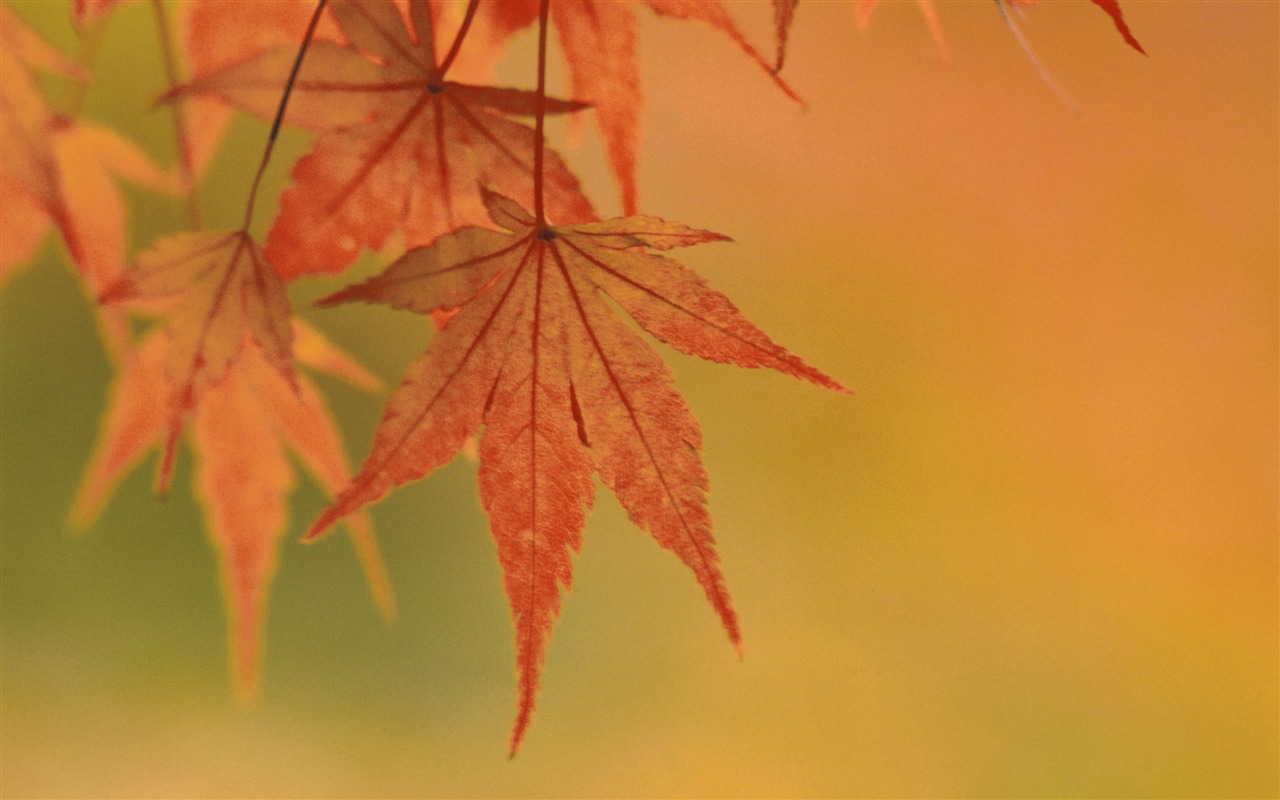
{"x":1035,"y":555}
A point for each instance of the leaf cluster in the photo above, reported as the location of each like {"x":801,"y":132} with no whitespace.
{"x":539,"y":304}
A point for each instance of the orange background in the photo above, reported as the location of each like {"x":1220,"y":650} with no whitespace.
{"x":1035,"y":555}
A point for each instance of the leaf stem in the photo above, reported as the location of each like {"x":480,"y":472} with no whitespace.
{"x":540,"y":113}
{"x":284,"y":102}
{"x":186,"y":164}
{"x":457,"y":39}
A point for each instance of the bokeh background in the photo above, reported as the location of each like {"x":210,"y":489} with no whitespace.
{"x":1035,"y":555}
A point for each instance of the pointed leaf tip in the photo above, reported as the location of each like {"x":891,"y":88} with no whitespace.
{"x":347,"y":295}
{"x":517,"y":733}
{"x":374,"y":567}
{"x":327,"y":519}
{"x":168,"y":455}
{"x":118,"y":291}
{"x":171,"y":95}
{"x":1112,"y":7}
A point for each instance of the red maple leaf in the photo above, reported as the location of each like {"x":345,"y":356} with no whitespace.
{"x":563,"y":388}
{"x":401,"y":147}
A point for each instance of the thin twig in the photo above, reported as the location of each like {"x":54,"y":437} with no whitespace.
{"x":284,"y":102}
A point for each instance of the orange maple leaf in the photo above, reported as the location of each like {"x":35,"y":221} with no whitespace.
{"x":242,"y":430}
{"x":65,"y":169}
{"x":26,"y":220}
{"x":227,"y":290}
{"x":563,"y":388}
{"x":599,"y":43}
{"x":225,"y":361}
{"x":400,"y":146}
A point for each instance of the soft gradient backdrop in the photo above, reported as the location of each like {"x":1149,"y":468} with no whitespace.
{"x":1035,"y":555}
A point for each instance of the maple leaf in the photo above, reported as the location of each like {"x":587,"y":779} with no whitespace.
{"x":400,"y":147}
{"x":598,"y":39}
{"x":70,"y":178}
{"x":225,"y":360}
{"x":227,"y":290}
{"x":65,"y":168}
{"x":563,"y":388}
{"x":61,"y":173}
{"x":241,"y":432}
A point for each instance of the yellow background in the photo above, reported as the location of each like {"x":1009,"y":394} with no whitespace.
{"x":1035,"y":555}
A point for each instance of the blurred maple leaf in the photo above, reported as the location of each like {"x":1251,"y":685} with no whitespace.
{"x":225,"y":360}
{"x":25,"y":48}
{"x":65,"y":169}
{"x":599,"y":43}
{"x":59,"y":172}
{"x":563,"y":388}
{"x":89,"y":12}
{"x":400,"y":147}
{"x":242,"y":489}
